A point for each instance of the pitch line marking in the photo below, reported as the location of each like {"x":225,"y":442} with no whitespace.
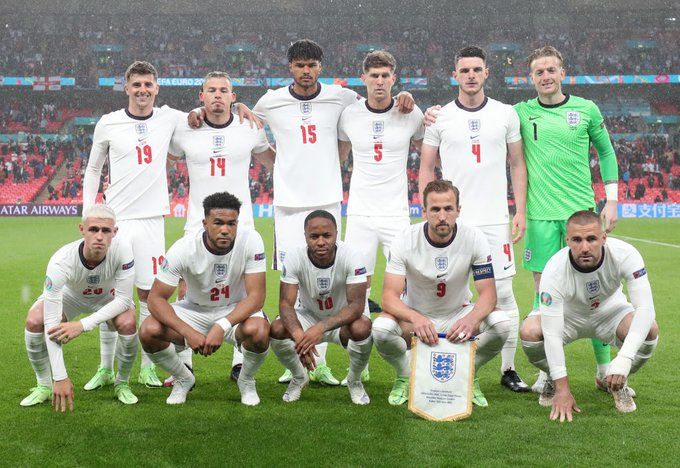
{"x":648,"y":241}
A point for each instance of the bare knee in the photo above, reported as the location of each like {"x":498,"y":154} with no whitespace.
{"x":255,"y":333}
{"x":360,"y":329}
{"x":277,"y":331}
{"x":35,"y":322}
{"x":531,"y":329}
{"x":150,"y":330}
{"x":653,"y":332}
{"x":126,"y":323}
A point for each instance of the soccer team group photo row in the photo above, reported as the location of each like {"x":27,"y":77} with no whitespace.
{"x":218,"y":268}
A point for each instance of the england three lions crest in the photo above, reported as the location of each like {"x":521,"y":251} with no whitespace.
{"x":141,"y":128}
{"x":306,"y":108}
{"x":324,"y":284}
{"x":378,"y":127}
{"x":593,"y":287}
{"x":443,"y":366}
{"x":93,"y":279}
{"x":573,"y":118}
{"x":441,"y":263}
{"x":474,"y":125}
{"x":218,"y":141}
{"x":220,"y":270}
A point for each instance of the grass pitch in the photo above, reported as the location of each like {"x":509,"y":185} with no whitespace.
{"x":324,"y":428}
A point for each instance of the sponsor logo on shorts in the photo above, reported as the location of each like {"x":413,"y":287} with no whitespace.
{"x":378,"y":127}
{"x":546,"y":298}
{"x":93,"y":279}
{"x":165,"y":265}
{"x":593,"y":286}
{"x":324,"y":284}
{"x":442,"y":366}
{"x":474,"y":125}
{"x":48,"y":283}
{"x":283,"y":270}
{"x":573,"y":118}
{"x":127,"y":266}
{"x":282,"y":256}
{"x":306,"y":108}
{"x":141,"y":128}
{"x":441,"y":263}
{"x":527,"y":255}
{"x":640,"y":273}
{"x":259,"y":256}
{"x":359,"y":271}
{"x":220,"y":270}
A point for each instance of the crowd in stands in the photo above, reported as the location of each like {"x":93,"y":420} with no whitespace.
{"x":186,"y":46}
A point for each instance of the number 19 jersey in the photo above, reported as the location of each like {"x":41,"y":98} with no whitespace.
{"x":473,"y":148}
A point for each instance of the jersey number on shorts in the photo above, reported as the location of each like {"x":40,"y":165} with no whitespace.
{"x":156,"y":263}
{"x":144,"y":154}
{"x":378,"y":151}
{"x":215,"y":293}
{"x":326,"y":304}
{"x":477,"y":151}
{"x":218,"y":166}
{"x":507,"y":251}
{"x":441,"y":289}
{"x":308,"y":134}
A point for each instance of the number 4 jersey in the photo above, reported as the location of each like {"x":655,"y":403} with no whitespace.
{"x":473,"y":149}
{"x":218,"y":159}
{"x":214,"y":279}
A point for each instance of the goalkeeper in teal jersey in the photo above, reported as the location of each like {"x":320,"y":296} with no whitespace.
{"x":557,"y":130}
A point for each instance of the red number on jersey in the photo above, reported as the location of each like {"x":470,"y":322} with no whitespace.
{"x":215,"y":293}
{"x":157,"y":263}
{"x":477,"y":151}
{"x":325,"y":305}
{"x":441,"y":289}
{"x":507,"y":251}
{"x":144,"y":154}
{"x":93,"y":292}
{"x":378,"y":151}
{"x":218,"y":165}
{"x":308,"y":134}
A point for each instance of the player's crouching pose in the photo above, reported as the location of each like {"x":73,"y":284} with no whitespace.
{"x":93,"y":276}
{"x":330,"y":278}
{"x":224,"y":270}
{"x":581,"y":297}
{"x":435,"y":259}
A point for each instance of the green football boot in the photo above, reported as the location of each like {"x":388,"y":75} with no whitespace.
{"x":102,"y":378}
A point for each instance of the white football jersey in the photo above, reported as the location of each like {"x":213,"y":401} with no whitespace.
{"x":137,"y":150}
{"x":218,"y":160}
{"x":568,"y":291}
{"x":381,"y":140}
{"x":473,"y":149}
{"x":213,"y":280}
{"x":437,"y":275}
{"x":106,"y":287}
{"x":307,"y":169}
{"x":323,"y":291}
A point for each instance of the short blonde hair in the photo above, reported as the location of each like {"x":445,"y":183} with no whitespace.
{"x":546,"y":51}
{"x":99,"y":211}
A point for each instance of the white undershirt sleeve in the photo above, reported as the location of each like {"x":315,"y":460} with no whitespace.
{"x":93,"y":172}
{"x":640,"y":293}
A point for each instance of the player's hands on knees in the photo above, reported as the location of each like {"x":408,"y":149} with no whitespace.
{"x":196,"y":341}
{"x":563,"y":406}
{"x":431,"y":115}
{"x":245,"y":113}
{"x":405,"y":102}
{"x":609,"y":216}
{"x":310,"y":339}
{"x":62,"y":395}
{"x":462,"y":330}
{"x":65,"y":332}
{"x":424,"y":329}
{"x":519,"y":227}
{"x":194,"y":119}
{"x":213,"y":341}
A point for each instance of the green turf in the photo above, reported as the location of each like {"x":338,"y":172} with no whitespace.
{"x":324,"y":428}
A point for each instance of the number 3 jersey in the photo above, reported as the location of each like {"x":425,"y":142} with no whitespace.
{"x":218,"y":159}
{"x":307,"y":169}
{"x":473,"y":149}
{"x":381,"y":140}
{"x":323,"y":291}
{"x":137,"y":150}
{"x":213,"y":279}
{"x":437,"y":275}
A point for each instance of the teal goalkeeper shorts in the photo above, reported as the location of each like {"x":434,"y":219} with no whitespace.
{"x":541,"y":241}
